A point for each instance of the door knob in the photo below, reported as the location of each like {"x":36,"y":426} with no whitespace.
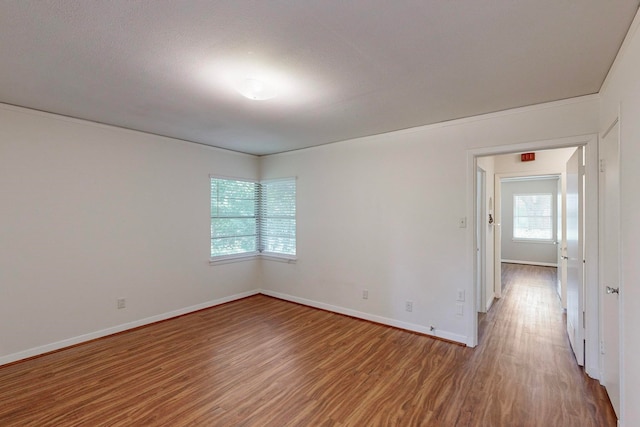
{"x":611,"y":290}
{"x":565,"y":257}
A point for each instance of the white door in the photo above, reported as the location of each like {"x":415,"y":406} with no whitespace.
{"x":558,"y":240}
{"x":497,"y":239}
{"x":575,"y":254}
{"x":481,"y":275}
{"x":610,"y":262}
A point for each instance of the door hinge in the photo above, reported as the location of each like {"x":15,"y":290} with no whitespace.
{"x":603,"y":165}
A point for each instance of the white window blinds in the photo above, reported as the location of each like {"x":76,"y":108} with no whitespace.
{"x":533,"y":216}
{"x":277,"y":217}
{"x":248,"y":218}
{"x":234,"y":227}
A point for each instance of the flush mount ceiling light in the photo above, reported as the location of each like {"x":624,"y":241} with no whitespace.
{"x":255,"y":89}
{"x":255,"y":80}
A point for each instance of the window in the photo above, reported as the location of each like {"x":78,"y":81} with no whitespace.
{"x":251,"y":218}
{"x":533,"y":216}
{"x":277,"y":217}
{"x":234,"y":228}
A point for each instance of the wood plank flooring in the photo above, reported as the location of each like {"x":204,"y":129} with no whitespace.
{"x":265,"y":362}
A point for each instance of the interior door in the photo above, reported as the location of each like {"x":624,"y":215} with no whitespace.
{"x":610,"y":263}
{"x":497,"y":238}
{"x":481,"y":276}
{"x":559,"y":241}
{"x":575,"y":254}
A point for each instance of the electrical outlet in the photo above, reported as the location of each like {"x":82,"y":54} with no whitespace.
{"x":408,"y":306}
{"x":460,"y":295}
{"x":365,"y":294}
{"x":121,"y":303}
{"x":460,"y":309}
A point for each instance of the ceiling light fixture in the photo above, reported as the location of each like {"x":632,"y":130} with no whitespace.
{"x":256,"y":89}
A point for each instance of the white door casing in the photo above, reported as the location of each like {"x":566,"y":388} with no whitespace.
{"x":610,"y":264}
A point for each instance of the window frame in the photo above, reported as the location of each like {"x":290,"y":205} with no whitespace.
{"x":280,"y":256}
{"x":258,"y":209}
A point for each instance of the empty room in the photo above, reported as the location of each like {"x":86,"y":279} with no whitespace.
{"x":273,"y":213}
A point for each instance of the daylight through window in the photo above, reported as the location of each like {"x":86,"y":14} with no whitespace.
{"x":250,"y":218}
{"x":533,"y":216}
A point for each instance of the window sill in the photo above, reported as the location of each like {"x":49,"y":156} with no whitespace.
{"x":537,"y":241}
{"x":289,"y":259}
{"x":232,"y":258}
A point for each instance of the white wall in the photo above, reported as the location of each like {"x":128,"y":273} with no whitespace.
{"x":546,"y":162}
{"x":90,"y":213}
{"x":381,"y":213}
{"x":621,"y":95}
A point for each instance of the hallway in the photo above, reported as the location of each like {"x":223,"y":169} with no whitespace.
{"x":524,"y":343}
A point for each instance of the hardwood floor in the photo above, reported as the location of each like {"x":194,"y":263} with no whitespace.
{"x":265,"y":362}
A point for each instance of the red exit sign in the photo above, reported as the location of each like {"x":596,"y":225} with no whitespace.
{"x":527,"y":157}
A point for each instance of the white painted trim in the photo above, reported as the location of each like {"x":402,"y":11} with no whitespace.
{"x":58,"y":345}
{"x":533,"y":241}
{"x":490,"y":303}
{"x":269,"y":256}
{"x":370,"y":317}
{"x":229,"y":259}
{"x":119,"y":328}
{"x":543,"y":264}
{"x":611,"y":126}
{"x":499,"y":177}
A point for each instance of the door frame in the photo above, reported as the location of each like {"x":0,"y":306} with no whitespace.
{"x":592,"y":320}
{"x":481,"y":240}
{"x":497,"y":285}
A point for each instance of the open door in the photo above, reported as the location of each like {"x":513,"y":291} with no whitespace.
{"x":575,"y":254}
{"x":481,"y":235}
{"x":497,"y":238}
{"x":610,"y":264}
{"x":559,"y":241}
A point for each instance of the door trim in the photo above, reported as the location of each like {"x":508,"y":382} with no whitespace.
{"x":497,"y":262}
{"x":592,"y":321}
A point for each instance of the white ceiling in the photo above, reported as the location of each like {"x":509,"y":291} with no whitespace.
{"x":350,"y":68}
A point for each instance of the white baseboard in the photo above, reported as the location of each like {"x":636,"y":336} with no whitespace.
{"x":58,"y":345}
{"x":490,"y":303}
{"x":119,"y":328}
{"x":370,"y":317}
{"x":543,"y":264}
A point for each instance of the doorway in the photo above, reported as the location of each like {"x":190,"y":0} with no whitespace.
{"x":590,"y":227}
